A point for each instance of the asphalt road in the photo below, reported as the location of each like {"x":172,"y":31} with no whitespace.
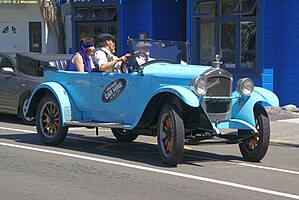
{"x":86,"y":166}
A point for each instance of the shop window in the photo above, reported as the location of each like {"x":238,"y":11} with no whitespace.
{"x":208,"y":43}
{"x":112,"y":30}
{"x":205,"y":9}
{"x":227,"y":7}
{"x":97,"y":12}
{"x":96,"y":31}
{"x":83,"y":31}
{"x":228,"y":44}
{"x":247,"y":34}
{"x":245,"y":7}
{"x":110,"y":14}
{"x":231,"y":32}
{"x":81,"y":13}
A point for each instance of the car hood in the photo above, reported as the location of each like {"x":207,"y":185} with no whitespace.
{"x":177,"y":71}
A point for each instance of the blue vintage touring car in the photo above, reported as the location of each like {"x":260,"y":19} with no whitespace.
{"x":161,"y":96}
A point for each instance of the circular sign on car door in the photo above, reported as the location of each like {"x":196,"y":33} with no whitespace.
{"x":113,"y":90}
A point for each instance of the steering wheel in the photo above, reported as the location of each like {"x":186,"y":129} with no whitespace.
{"x":128,"y":67}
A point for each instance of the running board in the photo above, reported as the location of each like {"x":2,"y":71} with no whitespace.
{"x":96,"y":124}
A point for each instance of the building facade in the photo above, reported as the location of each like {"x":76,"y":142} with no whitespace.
{"x":23,"y":29}
{"x":256,"y":38}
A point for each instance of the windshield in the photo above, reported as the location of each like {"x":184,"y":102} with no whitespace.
{"x":149,"y":51}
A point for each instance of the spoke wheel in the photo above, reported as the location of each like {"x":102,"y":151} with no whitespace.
{"x":123,"y":135}
{"x":255,"y":148}
{"x":171,"y":135}
{"x":48,"y":121}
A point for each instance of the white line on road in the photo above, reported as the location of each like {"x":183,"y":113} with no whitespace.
{"x":210,"y":180}
{"x":245,"y":164}
{"x":185,"y":155}
{"x":294,"y":120}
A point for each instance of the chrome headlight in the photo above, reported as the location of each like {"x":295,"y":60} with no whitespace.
{"x":200,"y":86}
{"x":245,"y":86}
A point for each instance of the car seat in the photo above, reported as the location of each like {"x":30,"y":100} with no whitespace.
{"x":60,"y":64}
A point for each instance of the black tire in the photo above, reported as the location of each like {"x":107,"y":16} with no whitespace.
{"x":48,"y":121}
{"x":255,"y":148}
{"x":23,"y":110}
{"x":123,"y":135}
{"x":170,"y":134}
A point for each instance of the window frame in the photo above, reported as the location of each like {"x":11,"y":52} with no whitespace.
{"x":244,"y":12}
{"x":207,"y":14}
{"x":196,"y":43}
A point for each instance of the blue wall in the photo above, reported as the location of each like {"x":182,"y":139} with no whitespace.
{"x":270,"y":45}
{"x":289,"y":61}
{"x":281,"y":47}
{"x":160,"y":19}
{"x":168,"y":20}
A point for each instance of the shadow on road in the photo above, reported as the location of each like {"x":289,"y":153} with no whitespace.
{"x":135,"y":151}
{"x":8,"y":118}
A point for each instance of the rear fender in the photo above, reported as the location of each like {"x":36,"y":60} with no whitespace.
{"x":242,"y":106}
{"x":63,"y":99}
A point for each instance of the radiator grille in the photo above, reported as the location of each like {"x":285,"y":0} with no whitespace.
{"x":218,"y":88}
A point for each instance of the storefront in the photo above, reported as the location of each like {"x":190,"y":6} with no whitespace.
{"x":128,"y":18}
{"x":256,"y":38}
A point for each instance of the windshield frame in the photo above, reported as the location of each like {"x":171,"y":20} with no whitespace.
{"x":132,"y":42}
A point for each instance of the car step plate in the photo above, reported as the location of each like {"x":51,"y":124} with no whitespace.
{"x":96,"y":124}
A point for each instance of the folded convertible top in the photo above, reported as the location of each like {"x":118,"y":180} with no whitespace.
{"x":32,"y":63}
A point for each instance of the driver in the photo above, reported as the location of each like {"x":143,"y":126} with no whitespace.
{"x":143,"y":52}
{"x":104,"y":57}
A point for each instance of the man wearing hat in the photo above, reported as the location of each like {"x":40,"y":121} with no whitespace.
{"x":144,"y":52}
{"x":104,"y":57}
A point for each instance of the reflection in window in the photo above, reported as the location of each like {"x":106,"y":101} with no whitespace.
{"x":248,"y":30}
{"x":245,"y":7}
{"x":83,"y":31}
{"x":81,"y":12}
{"x":110,"y":14}
{"x":96,"y":12}
{"x":208,"y":44}
{"x":228,"y":44}
{"x":96,"y":31}
{"x":205,"y":9}
{"x":227,"y":6}
{"x":112,"y":30}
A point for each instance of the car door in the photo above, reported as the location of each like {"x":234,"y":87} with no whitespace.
{"x":9,"y":86}
{"x":111,"y":97}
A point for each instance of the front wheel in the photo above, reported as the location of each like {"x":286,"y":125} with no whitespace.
{"x":48,"y":121}
{"x":254,"y":148}
{"x":123,"y":135}
{"x":171,"y":133}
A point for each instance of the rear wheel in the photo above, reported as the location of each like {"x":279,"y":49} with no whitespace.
{"x":48,"y":121}
{"x":171,"y":133}
{"x":23,"y":110}
{"x":123,"y":135}
{"x":255,"y":148}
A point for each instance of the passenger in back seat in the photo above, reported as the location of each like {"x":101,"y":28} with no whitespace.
{"x":82,"y":60}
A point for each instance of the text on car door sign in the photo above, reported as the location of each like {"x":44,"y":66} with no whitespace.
{"x":113,"y":90}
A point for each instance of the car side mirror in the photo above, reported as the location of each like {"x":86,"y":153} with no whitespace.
{"x":7,"y":70}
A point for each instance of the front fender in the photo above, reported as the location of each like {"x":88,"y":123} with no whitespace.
{"x":183,"y":93}
{"x":242,"y":106}
{"x":60,"y":94}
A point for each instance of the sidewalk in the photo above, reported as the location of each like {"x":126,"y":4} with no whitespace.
{"x":284,"y":126}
